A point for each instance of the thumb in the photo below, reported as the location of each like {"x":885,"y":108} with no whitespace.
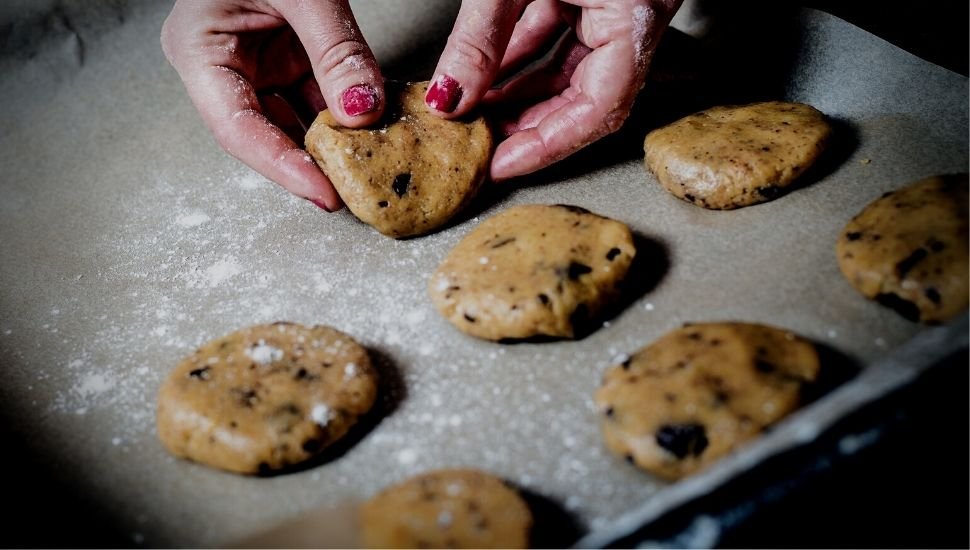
{"x":473,"y":55}
{"x":349,"y":77}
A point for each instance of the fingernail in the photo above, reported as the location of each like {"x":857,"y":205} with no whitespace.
{"x":444,"y":94}
{"x":359,"y":99}
{"x":320,"y":204}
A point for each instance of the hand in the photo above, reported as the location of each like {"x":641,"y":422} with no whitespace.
{"x":249,"y":67}
{"x":583,"y":93}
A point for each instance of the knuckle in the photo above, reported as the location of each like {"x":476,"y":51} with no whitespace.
{"x":614,"y":120}
{"x":471,"y":54}
{"x":340,"y":57}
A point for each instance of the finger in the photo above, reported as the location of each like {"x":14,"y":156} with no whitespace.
{"x":546,"y":81}
{"x":348,"y":75}
{"x":230,"y":108}
{"x":540,"y":25}
{"x":596,"y":104}
{"x":283,"y":115}
{"x":472,"y":56}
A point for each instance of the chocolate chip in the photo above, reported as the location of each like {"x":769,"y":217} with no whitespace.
{"x":933,"y":295}
{"x":579,"y":316}
{"x":690,"y":197}
{"x":503,"y":242}
{"x":904,"y":307}
{"x":609,"y":412}
{"x":681,"y":440}
{"x":765,"y":367}
{"x":576,"y":270}
{"x":401,"y":184}
{"x":544,"y":299}
{"x":312,"y":445}
{"x":613,"y":253}
{"x":908,"y":263}
{"x":469,"y":318}
{"x":936,"y":246}
{"x":770,"y":192}
{"x":629,"y":458}
{"x":853,"y":235}
{"x":245,"y":397}
{"x":201,"y":374}
{"x":696,"y":336}
{"x":382,"y":204}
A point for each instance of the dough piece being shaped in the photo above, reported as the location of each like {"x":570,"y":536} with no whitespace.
{"x":265,"y":397}
{"x":908,"y":249}
{"x":698,"y":392}
{"x":533,"y":270}
{"x":447,"y":509}
{"x":728,"y":157}
{"x":410,"y":175}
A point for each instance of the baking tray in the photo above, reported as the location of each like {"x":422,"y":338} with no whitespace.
{"x":129,"y":238}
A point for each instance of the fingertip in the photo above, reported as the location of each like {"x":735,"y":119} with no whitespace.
{"x":444,"y":95}
{"x":299,"y":174}
{"x":360,"y":105}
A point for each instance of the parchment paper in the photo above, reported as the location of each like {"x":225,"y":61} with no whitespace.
{"x":127,"y":238}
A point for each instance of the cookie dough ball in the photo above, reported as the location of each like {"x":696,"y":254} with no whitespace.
{"x":532,"y":270}
{"x":908,"y":249}
{"x":265,"y":397}
{"x":410,"y":175}
{"x":728,"y":157}
{"x":698,"y":392}
{"x":447,"y":509}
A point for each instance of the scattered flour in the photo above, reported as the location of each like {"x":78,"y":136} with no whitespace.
{"x":192,"y":220}
{"x":320,"y":414}
{"x":264,"y":354}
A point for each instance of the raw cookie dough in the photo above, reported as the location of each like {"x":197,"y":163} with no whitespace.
{"x":265,"y":397}
{"x":908,"y":249}
{"x":410,"y":175}
{"x":447,"y":509}
{"x":532,"y":270}
{"x":695,"y":394}
{"x":728,"y":157}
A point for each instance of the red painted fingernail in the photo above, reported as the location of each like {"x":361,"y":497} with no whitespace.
{"x":320,"y":204}
{"x":359,"y":99}
{"x":444,"y":94}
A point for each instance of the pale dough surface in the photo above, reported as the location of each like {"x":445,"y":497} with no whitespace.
{"x":447,"y":509}
{"x":265,"y":397}
{"x":694,"y":395}
{"x":908,"y":249}
{"x":412,"y":173}
{"x":533,"y":270}
{"x":728,"y":157}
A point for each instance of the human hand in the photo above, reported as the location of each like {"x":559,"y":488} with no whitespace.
{"x":259,"y":71}
{"x":583,"y":93}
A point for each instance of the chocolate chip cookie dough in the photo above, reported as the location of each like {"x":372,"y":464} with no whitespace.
{"x":447,"y":509}
{"x":533,"y":270}
{"x":411,"y":174}
{"x":265,"y":397}
{"x":908,"y":249}
{"x":698,"y":392}
{"x":728,"y":157}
